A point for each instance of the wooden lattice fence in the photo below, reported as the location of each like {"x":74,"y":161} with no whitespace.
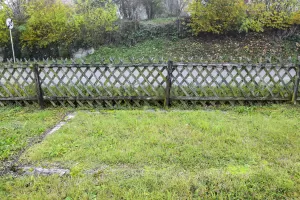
{"x":139,"y":83}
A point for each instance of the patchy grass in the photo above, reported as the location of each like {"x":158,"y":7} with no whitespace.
{"x":206,"y":48}
{"x":227,"y":153}
{"x":141,"y":138}
{"x":18,"y":126}
{"x":149,"y":183}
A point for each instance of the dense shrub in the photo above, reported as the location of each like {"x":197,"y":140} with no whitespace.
{"x":295,"y":18}
{"x":56,"y":22}
{"x":269,"y":14}
{"x":50,"y":25}
{"x":221,"y":16}
{"x":47,"y":23}
{"x":93,"y":22}
{"x":217,"y":16}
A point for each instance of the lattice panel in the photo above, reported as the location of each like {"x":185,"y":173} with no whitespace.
{"x":232,"y":82}
{"x":17,"y":84}
{"x":103,"y":85}
{"x":116,"y":85}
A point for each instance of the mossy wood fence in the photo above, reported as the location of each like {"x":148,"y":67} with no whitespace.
{"x":167,"y":83}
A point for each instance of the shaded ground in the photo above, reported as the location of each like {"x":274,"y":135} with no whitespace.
{"x":229,"y":152}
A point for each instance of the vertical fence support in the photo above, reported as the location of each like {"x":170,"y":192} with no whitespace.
{"x":39,"y":91}
{"x":297,"y":81}
{"x":169,"y":84}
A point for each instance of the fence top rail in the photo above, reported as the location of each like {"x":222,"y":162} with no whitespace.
{"x":215,"y":65}
{"x":136,"y":62}
{"x":94,"y":65}
{"x":237,"y":65}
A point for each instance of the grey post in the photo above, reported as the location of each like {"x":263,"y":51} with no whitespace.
{"x":168,"y":84}
{"x":39,"y":91}
{"x":297,"y":81}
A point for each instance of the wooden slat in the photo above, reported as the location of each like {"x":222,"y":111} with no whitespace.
{"x":18,"y":99}
{"x":146,"y":98}
{"x":229,"y":99}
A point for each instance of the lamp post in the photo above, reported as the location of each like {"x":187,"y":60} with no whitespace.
{"x":10,"y":26}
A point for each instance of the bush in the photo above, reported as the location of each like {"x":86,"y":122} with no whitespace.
{"x":254,"y":20}
{"x":295,"y":18}
{"x":221,"y":16}
{"x":93,"y":22}
{"x":217,"y":16}
{"x":47,"y":23}
{"x":51,"y":23}
{"x":269,"y":14}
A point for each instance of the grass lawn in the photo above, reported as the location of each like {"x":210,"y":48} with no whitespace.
{"x":225,"y":153}
{"x":19,"y":126}
{"x":218,"y":49}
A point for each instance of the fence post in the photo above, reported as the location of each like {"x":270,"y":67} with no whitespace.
{"x":39,"y":91}
{"x":297,"y":81}
{"x":169,"y":84}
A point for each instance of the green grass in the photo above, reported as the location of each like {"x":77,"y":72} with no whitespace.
{"x":229,"y":183}
{"x":225,"y":153}
{"x":141,"y":138}
{"x":154,"y":48}
{"x":18,"y":126}
{"x":214,"y":49}
{"x":159,"y":21}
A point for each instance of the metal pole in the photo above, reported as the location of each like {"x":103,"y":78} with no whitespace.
{"x":12,"y":45}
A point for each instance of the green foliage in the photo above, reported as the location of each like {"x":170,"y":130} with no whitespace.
{"x":47,"y":23}
{"x":251,"y":24}
{"x":4,"y":14}
{"x":219,"y":16}
{"x":254,"y":21}
{"x":275,"y":15}
{"x":58,"y":23}
{"x":94,"y":21}
{"x":216,"y":16}
{"x":295,"y":19}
